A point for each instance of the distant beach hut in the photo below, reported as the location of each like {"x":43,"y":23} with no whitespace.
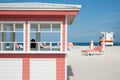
{"x":69,"y":44}
{"x":91,"y":44}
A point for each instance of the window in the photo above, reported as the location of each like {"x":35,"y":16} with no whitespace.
{"x":11,"y":36}
{"x":45,"y":36}
{"x":0,"y":37}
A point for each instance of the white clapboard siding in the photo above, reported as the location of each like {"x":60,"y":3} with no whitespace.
{"x":10,"y":69}
{"x":42,"y":69}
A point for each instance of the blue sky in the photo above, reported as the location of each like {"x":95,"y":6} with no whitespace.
{"x":95,"y":16}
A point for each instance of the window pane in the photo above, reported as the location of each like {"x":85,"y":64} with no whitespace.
{"x":47,"y":39}
{"x":44,"y":46}
{"x":8,"y":46}
{"x":9,"y":36}
{"x":18,"y":27}
{"x":0,"y":27}
{"x":33,"y":27}
{"x":12,"y":36}
{"x":0,"y":36}
{"x":55,"y":27}
{"x":50,"y":37}
{"x":33,"y":36}
{"x":19,"y":46}
{"x":19,"y":36}
{"x":34,"y":39}
{"x":0,"y":46}
{"x":33,"y":46}
{"x":8,"y":26}
{"x":56,"y":46}
{"x":44,"y":27}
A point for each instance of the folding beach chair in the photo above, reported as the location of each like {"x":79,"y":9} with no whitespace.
{"x":16,"y":45}
{"x":41,"y":45}
{"x":96,"y":50}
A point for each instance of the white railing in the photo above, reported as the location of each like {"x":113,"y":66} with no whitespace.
{"x":11,"y":46}
{"x":34,"y":46}
{"x":45,"y":46}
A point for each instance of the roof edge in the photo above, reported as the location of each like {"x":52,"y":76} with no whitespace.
{"x":38,"y":6}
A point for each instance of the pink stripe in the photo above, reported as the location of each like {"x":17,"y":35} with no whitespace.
{"x":38,"y":12}
{"x":33,"y":55}
{"x":63,"y":36}
{"x":26,"y":69}
{"x":60,"y":68}
{"x":32,"y":18}
{"x":26,"y":47}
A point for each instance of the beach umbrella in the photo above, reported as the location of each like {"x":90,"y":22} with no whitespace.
{"x":44,"y":44}
{"x":103,"y":45}
{"x":41,"y":45}
{"x":69,"y":44}
{"x":58,"y":44}
{"x":91,"y":44}
{"x":16,"y":45}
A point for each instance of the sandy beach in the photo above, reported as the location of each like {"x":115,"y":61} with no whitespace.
{"x":96,"y":67}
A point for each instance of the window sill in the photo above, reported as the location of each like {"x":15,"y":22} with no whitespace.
{"x":32,"y":52}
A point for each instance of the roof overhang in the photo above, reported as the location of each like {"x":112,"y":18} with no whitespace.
{"x":40,"y":9}
{"x":70,"y":19}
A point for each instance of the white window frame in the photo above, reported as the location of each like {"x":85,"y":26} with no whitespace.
{"x":24,"y":28}
{"x":48,"y":22}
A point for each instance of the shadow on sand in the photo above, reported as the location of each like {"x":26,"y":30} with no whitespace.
{"x":69,"y":72}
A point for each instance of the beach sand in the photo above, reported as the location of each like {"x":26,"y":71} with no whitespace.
{"x":96,"y":67}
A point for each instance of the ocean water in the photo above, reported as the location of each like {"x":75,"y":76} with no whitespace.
{"x":95,"y":43}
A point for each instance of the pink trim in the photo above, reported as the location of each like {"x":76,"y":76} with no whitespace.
{"x":26,"y":41}
{"x":63,"y":36}
{"x":38,"y":12}
{"x":31,"y":18}
{"x":26,"y":69}
{"x":60,"y":68}
{"x":31,"y":55}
